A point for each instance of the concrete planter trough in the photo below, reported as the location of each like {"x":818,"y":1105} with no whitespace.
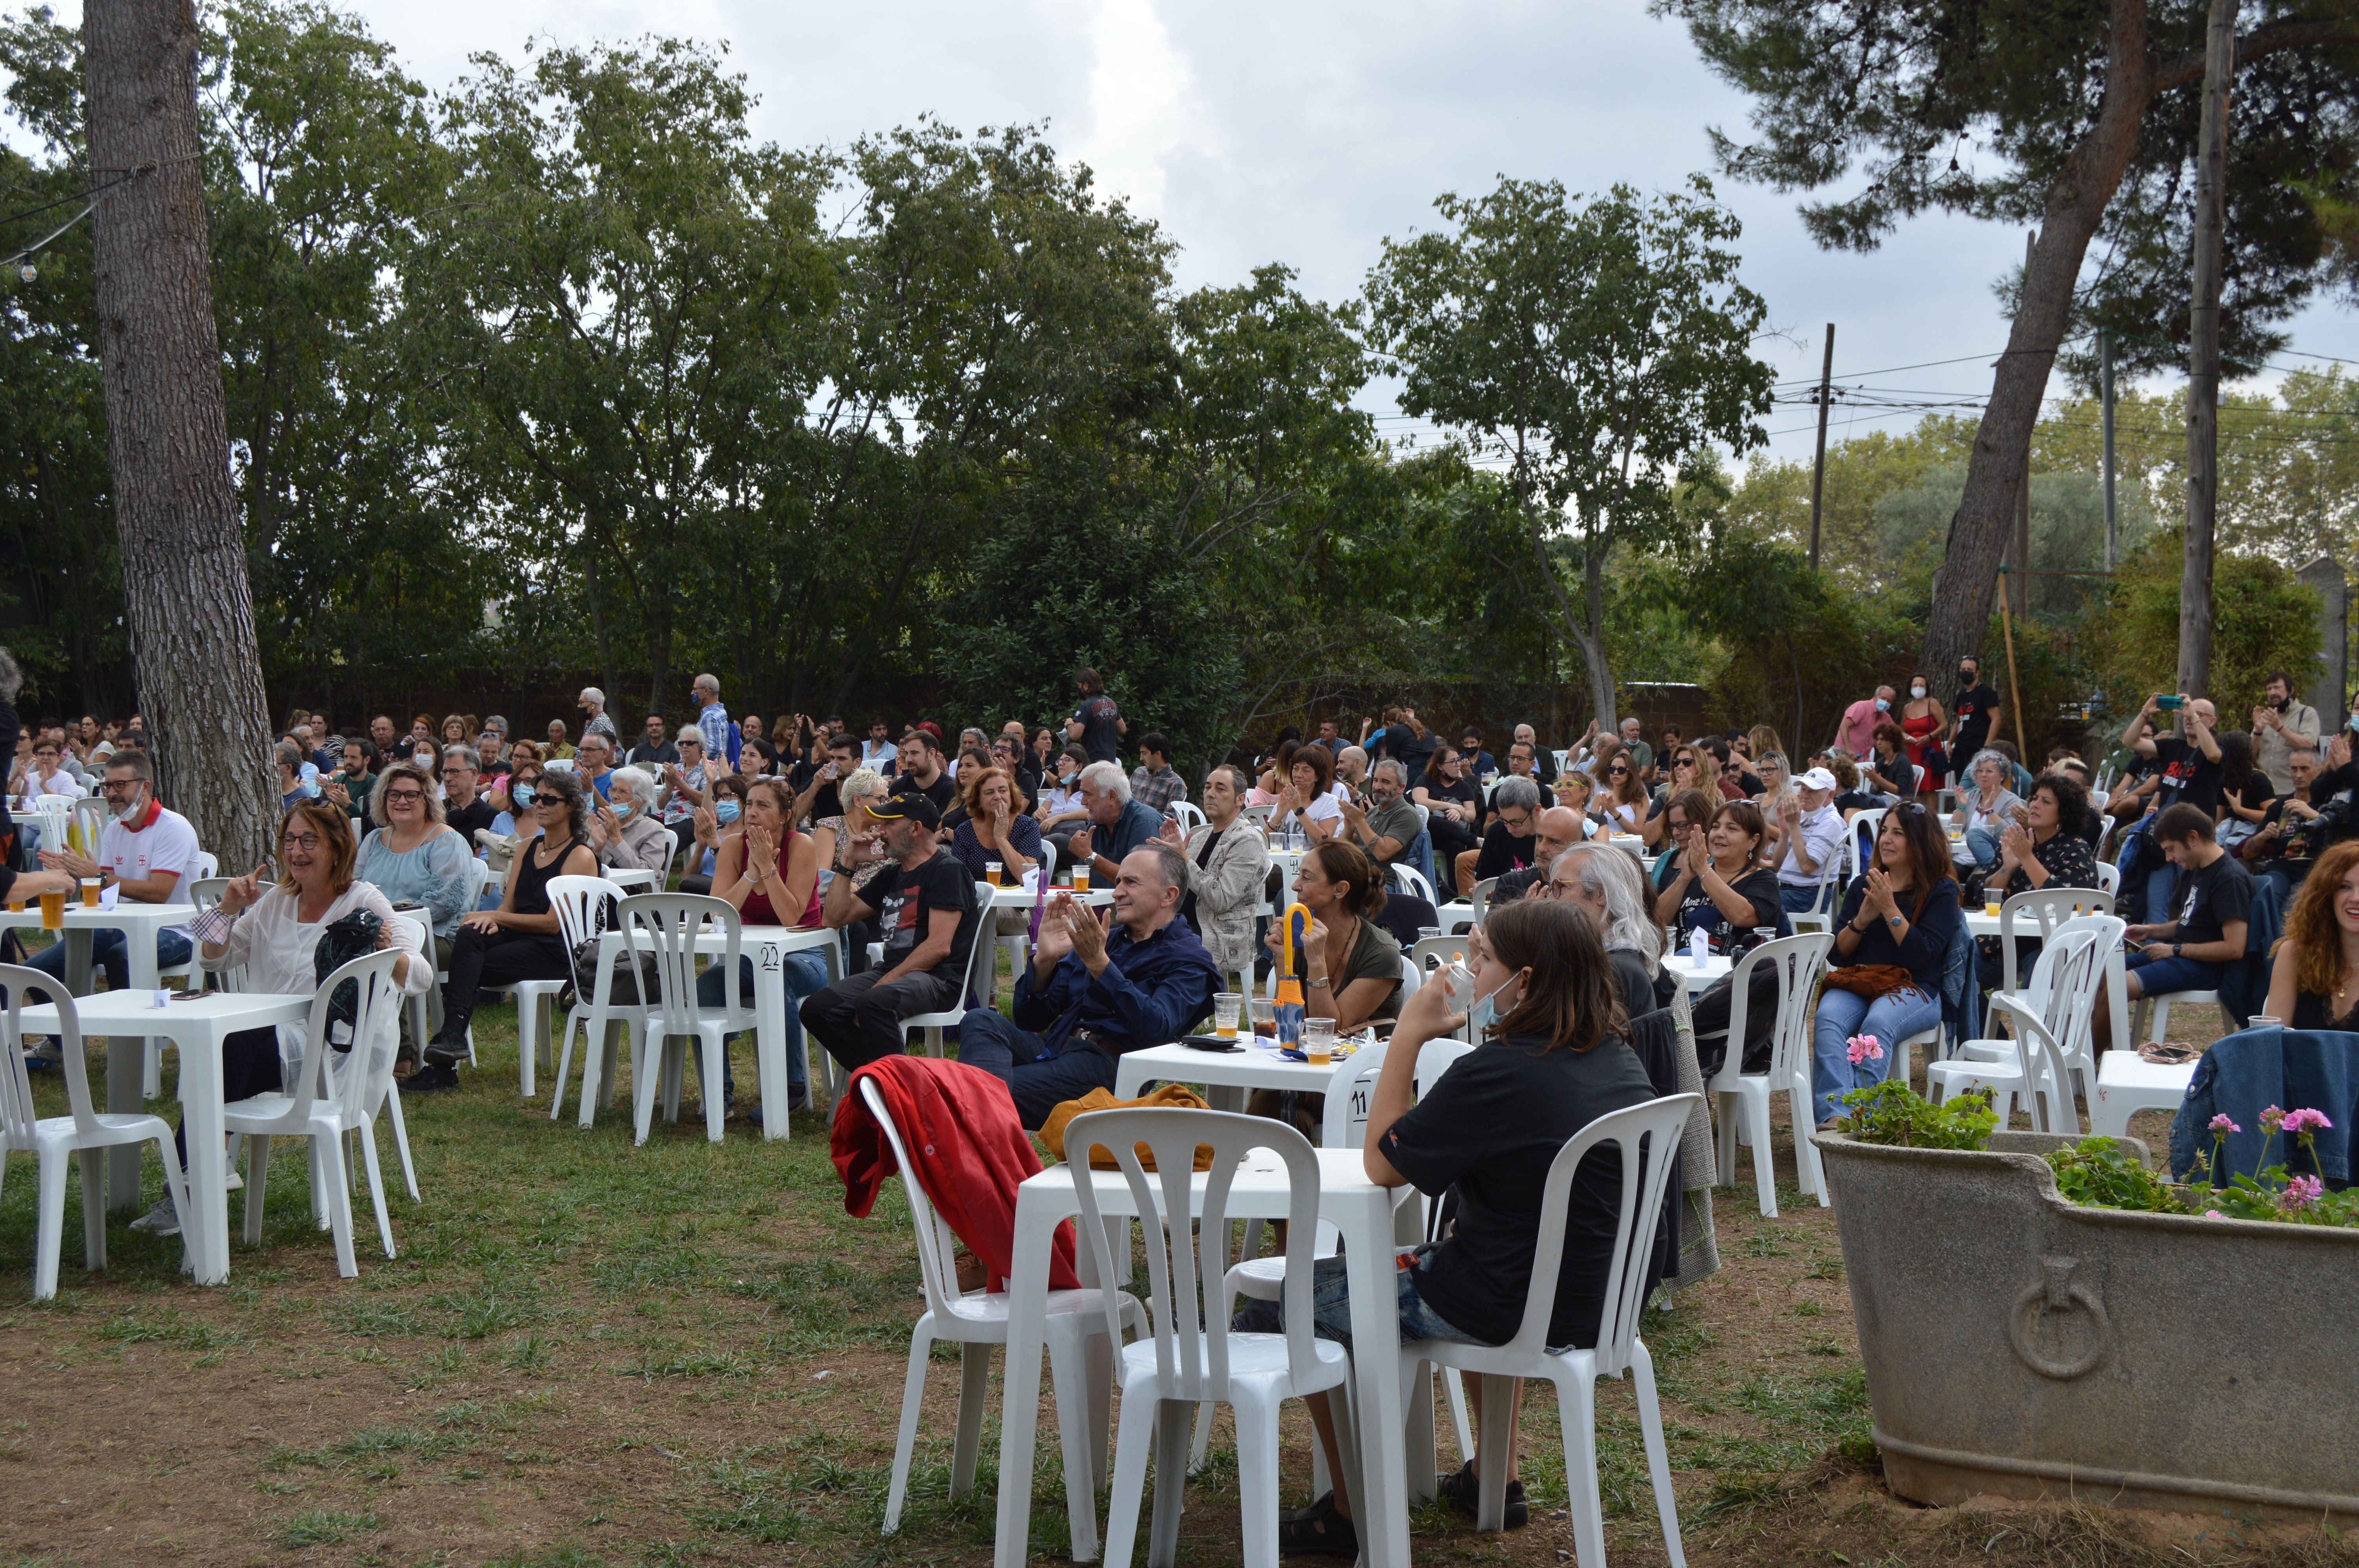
{"x":2018,"y":1345}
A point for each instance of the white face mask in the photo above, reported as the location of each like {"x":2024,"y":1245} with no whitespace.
{"x":1916,"y":691}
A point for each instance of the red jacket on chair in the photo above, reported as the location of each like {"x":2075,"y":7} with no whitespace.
{"x":959,"y":1126}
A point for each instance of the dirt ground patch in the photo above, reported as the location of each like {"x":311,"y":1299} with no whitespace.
{"x":589,"y":1354}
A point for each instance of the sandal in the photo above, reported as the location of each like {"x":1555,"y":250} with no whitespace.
{"x":1317,"y":1531}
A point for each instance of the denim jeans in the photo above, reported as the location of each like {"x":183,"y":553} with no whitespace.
{"x":108,"y":954}
{"x":805,"y":971}
{"x":1331,"y":1307}
{"x":1983,"y":845}
{"x":1892,"y":1017}
{"x":1802,"y":900}
{"x":2161,"y":893}
{"x":1038,"y":1081}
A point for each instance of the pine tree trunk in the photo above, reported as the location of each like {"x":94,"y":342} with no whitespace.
{"x":2001,"y":453}
{"x":187,"y":601}
{"x":2203,"y":356}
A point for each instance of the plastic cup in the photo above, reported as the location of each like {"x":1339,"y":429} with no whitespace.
{"x":993,"y":873}
{"x":1318,"y":1041}
{"x":90,"y":892}
{"x":1080,"y":879}
{"x":1225,"y":1014}
{"x":53,"y":910}
{"x":1990,"y":907}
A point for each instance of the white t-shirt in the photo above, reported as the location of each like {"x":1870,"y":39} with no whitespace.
{"x":169,"y":844}
{"x":60,"y":782}
{"x":1326,"y":808}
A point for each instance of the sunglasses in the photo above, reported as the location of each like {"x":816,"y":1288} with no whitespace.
{"x":1616,"y":771}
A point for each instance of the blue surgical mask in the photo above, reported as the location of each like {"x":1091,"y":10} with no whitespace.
{"x":2354,"y":721}
{"x":522,"y":795}
{"x":622,"y":809}
{"x":726,"y":811}
{"x":1882,"y":706}
{"x":1480,"y":1017}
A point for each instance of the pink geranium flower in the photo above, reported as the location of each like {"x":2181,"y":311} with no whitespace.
{"x":2222,"y":1125}
{"x":2301,"y":1192}
{"x":1864,"y":1048}
{"x":2271,"y":1119}
{"x":2214,"y":1214}
{"x":2297,"y":1121}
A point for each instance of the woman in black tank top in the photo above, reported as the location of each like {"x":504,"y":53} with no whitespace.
{"x":2314,"y":973}
{"x":519,"y":940}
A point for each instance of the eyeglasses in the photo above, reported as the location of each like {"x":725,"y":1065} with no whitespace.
{"x":300,"y":841}
{"x":1561,"y":889}
{"x":408,"y":795}
{"x":113,"y":786}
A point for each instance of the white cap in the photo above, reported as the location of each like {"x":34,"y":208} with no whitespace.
{"x":1817,"y":778}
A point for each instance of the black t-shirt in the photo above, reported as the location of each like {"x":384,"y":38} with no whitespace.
{"x":1491,"y":1126}
{"x":1854,"y":800}
{"x":1413,"y":750}
{"x":2211,"y":896}
{"x":1698,"y":912}
{"x":2188,"y":776}
{"x":1100,"y":732}
{"x":1462,"y":790}
{"x":656,"y":755}
{"x":465,"y":820}
{"x":1972,"y":710}
{"x":1502,"y":852}
{"x":826,"y":801}
{"x":902,"y":899}
{"x":942,"y":792}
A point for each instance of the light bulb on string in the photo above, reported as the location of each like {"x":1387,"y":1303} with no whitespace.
{"x":29,"y":272}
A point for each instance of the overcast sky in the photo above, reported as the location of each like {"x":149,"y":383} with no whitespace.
{"x":1307,"y":133}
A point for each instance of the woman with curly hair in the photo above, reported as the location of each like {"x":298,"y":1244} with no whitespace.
{"x":519,"y":940}
{"x":2314,"y":969}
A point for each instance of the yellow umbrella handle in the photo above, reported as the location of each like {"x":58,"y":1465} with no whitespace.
{"x":1285,"y":941}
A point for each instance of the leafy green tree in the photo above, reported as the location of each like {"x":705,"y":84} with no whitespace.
{"x":1601,"y":349}
{"x":2077,"y":115}
{"x":2266,"y":620}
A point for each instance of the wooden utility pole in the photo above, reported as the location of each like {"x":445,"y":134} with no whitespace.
{"x":188,"y":604}
{"x":2105,"y":401}
{"x":1819,"y":465}
{"x":2203,"y":354}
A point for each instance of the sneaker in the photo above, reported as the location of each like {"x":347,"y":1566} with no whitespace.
{"x":445,"y":1049}
{"x":1464,"y":1492}
{"x":799,"y":1096}
{"x":164,"y":1219}
{"x":440,"y":1078}
{"x":1317,"y":1531}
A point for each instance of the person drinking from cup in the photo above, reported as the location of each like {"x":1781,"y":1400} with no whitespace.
{"x":1550,"y":1057}
{"x":1095,"y":989}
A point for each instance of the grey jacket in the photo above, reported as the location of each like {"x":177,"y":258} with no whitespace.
{"x":1229,"y":893}
{"x":2272,"y":749}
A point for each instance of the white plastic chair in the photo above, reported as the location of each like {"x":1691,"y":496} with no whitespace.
{"x":977,"y":1320}
{"x":581,"y":913}
{"x":1019,"y":943}
{"x":1646,"y":1137}
{"x":665,"y":925}
{"x":2052,"y":907}
{"x":1187,"y":1360}
{"x":1188,"y":815}
{"x":1798,"y":961}
{"x":1863,"y":826}
{"x":2050,"y":1015}
{"x":570,"y":899}
{"x":324,"y":1110}
{"x":981,"y":973}
{"x":2109,"y":878}
{"x":1408,"y":879}
{"x":2128,"y":1083}
{"x":82,"y":1131}
{"x":204,"y":892}
{"x":2150,"y":1015}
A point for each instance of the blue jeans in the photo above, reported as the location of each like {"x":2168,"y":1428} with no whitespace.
{"x":2167,"y":976}
{"x":806,"y":972}
{"x":1041,"y":1080}
{"x":108,"y":953}
{"x":1983,"y":845}
{"x":1892,"y":1017}
{"x":1331,"y":1307}
{"x":1800,"y":900}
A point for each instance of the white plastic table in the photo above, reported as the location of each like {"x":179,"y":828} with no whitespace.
{"x":2116,"y":974}
{"x":1716,"y":968}
{"x":1230,"y":1076}
{"x":198,"y":1027}
{"x":1368,"y":1219}
{"x":767,"y":946}
{"x":139,"y":922}
{"x":1016,"y":898}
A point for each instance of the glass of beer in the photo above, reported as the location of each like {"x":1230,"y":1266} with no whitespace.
{"x":1318,"y":1041}
{"x":1080,"y":876}
{"x":993,"y":874}
{"x":90,"y":892}
{"x":53,"y":910}
{"x":1225,"y":1014}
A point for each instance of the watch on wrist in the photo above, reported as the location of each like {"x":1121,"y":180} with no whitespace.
{"x":1320,"y":983}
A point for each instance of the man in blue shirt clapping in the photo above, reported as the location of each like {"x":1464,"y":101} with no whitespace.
{"x":1093,"y":992}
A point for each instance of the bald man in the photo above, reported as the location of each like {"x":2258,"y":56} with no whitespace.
{"x":1560,"y":829}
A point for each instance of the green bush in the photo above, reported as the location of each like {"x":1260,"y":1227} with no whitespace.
{"x":1893,"y":1114}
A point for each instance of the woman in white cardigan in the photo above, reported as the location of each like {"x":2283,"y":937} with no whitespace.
{"x":272,"y":932}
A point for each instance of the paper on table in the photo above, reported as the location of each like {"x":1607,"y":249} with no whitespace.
{"x":106,"y":895}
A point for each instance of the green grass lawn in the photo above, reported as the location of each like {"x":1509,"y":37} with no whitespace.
{"x":589,"y":1353}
